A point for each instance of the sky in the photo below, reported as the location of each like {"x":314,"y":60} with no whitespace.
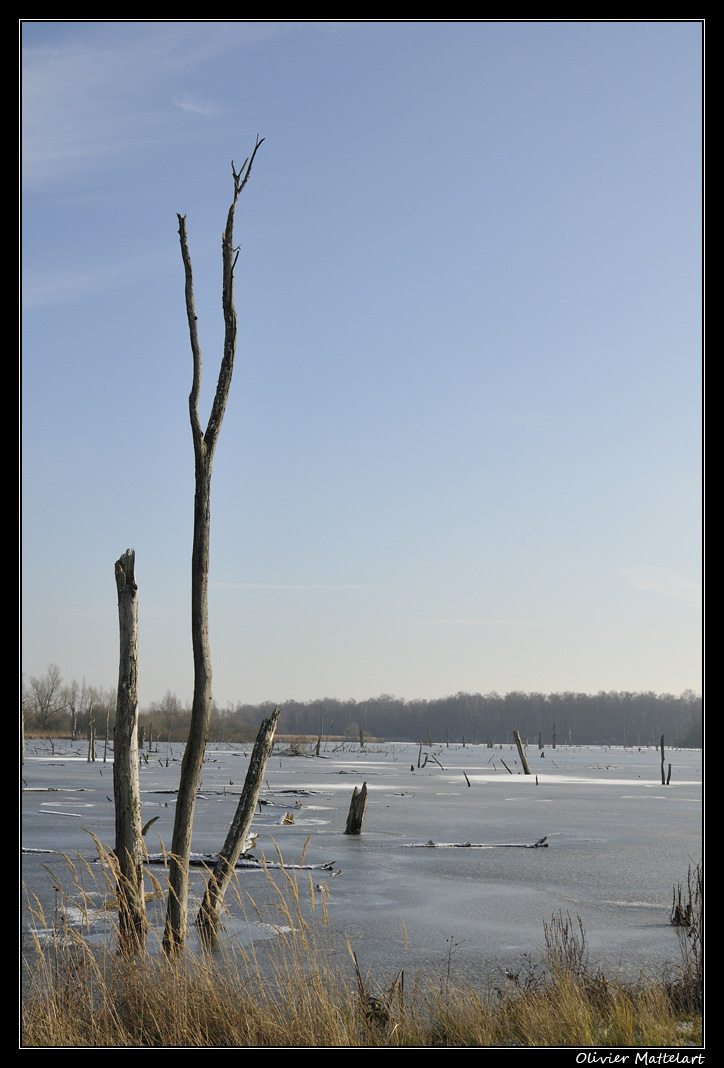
{"x":462,"y":450}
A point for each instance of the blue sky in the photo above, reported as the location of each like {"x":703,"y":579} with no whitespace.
{"x":463,"y":445}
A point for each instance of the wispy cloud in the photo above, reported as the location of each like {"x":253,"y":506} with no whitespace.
{"x":193,"y":104}
{"x":291,"y":586}
{"x":94,"y":94}
{"x":45,"y":288}
{"x":471,"y":622}
{"x":664,"y":581}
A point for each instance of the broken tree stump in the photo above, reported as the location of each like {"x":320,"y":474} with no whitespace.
{"x":521,"y":752}
{"x":663,"y":772}
{"x":357,"y":809}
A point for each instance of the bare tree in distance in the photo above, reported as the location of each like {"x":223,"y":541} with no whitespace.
{"x":47,"y":698}
{"x":204,"y":448}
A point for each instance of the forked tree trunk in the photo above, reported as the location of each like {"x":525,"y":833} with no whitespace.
{"x":208,"y":917}
{"x":126,"y":791}
{"x":204,"y":447}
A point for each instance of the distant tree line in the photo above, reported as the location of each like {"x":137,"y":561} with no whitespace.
{"x":605,"y":718}
{"x":51,"y":706}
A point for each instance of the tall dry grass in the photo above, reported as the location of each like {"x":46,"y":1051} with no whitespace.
{"x":299,"y":988}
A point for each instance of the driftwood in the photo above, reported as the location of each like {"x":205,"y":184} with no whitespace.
{"x":542,"y":843}
{"x":244,"y":863}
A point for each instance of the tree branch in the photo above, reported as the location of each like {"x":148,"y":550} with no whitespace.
{"x":229,"y":258}
{"x":193,"y":332}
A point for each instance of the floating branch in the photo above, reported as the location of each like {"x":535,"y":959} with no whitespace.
{"x":208,"y":860}
{"x":542,"y":843}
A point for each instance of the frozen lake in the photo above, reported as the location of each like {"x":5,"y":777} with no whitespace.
{"x":617,"y":842}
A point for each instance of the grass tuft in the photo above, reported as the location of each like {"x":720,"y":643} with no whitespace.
{"x":297,"y":989}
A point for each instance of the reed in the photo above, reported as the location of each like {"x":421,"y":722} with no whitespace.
{"x":301,"y":988}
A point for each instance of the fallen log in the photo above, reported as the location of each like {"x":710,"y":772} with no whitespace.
{"x":542,"y":843}
{"x":208,"y":860}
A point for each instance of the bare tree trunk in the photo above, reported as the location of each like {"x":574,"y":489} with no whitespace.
{"x":208,"y":916}
{"x":357,"y":810}
{"x":126,"y":791}
{"x":204,"y":447}
{"x":108,"y":727}
{"x":663,"y":758}
{"x":521,"y":752}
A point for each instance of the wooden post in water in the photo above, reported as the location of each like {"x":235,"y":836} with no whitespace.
{"x":357,"y":809}
{"x":521,"y":752}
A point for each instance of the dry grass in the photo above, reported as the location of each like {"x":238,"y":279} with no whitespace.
{"x":297,"y":989}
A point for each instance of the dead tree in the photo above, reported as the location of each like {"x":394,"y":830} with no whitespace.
{"x":521,"y":752}
{"x":357,"y":810}
{"x":663,"y":758}
{"x":204,"y":448}
{"x":126,"y":791}
{"x":208,"y":916}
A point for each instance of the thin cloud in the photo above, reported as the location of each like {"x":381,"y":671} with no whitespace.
{"x":290,"y":586}
{"x":198,"y":107}
{"x":49,"y":288}
{"x":94,"y":96}
{"x":473,"y":622}
{"x":664,"y":581}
